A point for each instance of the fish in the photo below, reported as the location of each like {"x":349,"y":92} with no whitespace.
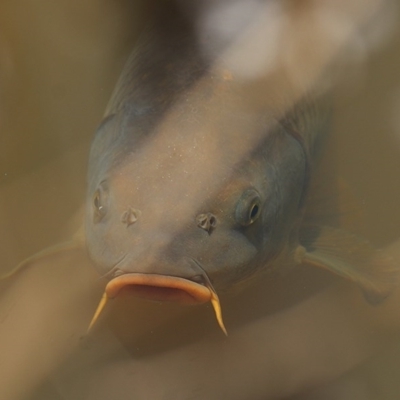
{"x":194,"y":190}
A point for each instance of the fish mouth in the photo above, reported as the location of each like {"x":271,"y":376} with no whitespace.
{"x":162,"y":288}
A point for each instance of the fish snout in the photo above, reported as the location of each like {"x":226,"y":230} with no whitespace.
{"x":207,"y":222}
{"x":130,"y":216}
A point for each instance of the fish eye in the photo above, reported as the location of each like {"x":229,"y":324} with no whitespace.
{"x":254,"y":211}
{"x":99,"y":199}
{"x":96,"y":200}
{"x":248,"y":208}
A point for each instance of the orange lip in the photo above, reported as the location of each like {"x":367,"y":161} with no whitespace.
{"x":161,"y":287}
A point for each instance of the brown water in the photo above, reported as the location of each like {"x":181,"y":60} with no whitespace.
{"x":58,"y":65}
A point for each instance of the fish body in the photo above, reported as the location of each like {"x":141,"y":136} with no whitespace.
{"x":192,"y":191}
{"x":195,"y":188}
{"x":168,"y":191}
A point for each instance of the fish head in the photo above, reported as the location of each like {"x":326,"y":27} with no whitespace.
{"x":181,"y":213}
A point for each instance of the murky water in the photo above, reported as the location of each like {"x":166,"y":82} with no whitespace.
{"x":59,"y":62}
{"x":58,"y":65}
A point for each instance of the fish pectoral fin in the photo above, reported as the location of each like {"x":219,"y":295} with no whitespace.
{"x":50,"y":251}
{"x":355,"y":259}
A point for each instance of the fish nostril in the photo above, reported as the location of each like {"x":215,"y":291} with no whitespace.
{"x":207,"y":222}
{"x":130,"y":216}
